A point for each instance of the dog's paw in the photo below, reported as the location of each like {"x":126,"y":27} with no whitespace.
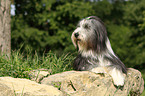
{"x":98,"y":70}
{"x":117,"y":76}
{"x":118,"y":81}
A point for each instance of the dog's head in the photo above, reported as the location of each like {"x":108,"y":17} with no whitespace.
{"x":90,"y":34}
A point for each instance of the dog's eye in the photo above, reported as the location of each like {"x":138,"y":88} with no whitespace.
{"x":86,"y":26}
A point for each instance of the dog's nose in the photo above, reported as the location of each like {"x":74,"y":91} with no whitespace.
{"x":76,"y":35}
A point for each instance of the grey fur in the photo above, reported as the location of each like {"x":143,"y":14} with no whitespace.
{"x":93,"y":44}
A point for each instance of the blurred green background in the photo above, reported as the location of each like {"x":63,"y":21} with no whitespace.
{"x":44,"y":25}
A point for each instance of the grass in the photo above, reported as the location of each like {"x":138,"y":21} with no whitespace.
{"x":143,"y":75}
{"x":143,"y":94}
{"x":17,"y":64}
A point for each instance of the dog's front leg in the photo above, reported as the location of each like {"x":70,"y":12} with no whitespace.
{"x":117,"y":75}
{"x":98,"y":70}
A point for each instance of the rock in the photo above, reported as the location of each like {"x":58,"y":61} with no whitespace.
{"x":22,"y":87}
{"x":38,"y":75}
{"x":84,"y":83}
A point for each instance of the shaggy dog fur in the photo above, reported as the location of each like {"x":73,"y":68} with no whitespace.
{"x":95,"y":52}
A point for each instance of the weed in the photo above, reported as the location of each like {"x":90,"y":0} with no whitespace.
{"x":18,"y":63}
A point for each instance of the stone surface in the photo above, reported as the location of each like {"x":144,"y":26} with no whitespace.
{"x":38,"y":75}
{"x":73,"y":83}
{"x":84,"y":83}
{"x":22,"y":87}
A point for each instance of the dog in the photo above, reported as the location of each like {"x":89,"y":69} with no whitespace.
{"x":94,"y":50}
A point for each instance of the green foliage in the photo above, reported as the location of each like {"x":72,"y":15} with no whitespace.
{"x":102,"y":9}
{"x":134,"y":20}
{"x":44,"y":25}
{"x":29,"y":38}
{"x":143,"y":75}
{"x":47,"y":24}
{"x":143,"y":93}
{"x":134,"y":13}
{"x":120,"y":41}
{"x":142,"y":25}
{"x":18,"y":64}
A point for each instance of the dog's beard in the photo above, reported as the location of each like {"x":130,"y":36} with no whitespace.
{"x":80,"y":45}
{"x":77,"y":46}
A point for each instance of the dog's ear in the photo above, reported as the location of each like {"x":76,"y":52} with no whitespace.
{"x":100,"y":34}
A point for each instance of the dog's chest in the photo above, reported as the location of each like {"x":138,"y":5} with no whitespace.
{"x":87,"y":63}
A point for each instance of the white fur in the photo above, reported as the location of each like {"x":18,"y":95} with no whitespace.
{"x":118,"y":77}
{"x":103,"y":65}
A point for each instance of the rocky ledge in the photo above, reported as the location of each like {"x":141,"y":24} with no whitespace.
{"x":73,"y":83}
